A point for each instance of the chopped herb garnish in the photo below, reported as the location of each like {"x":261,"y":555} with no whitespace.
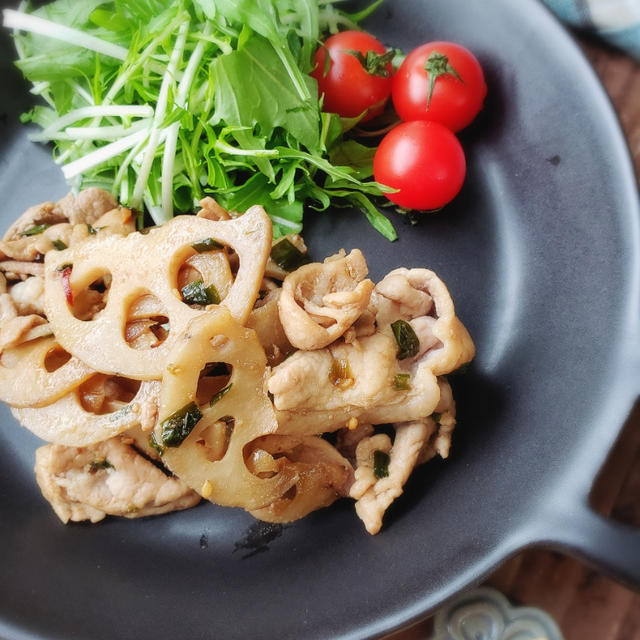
{"x":96,"y":465}
{"x":66,"y":265}
{"x":196,"y":293}
{"x":436,"y":417}
{"x":340,"y":373}
{"x":380,"y":464}
{"x":154,"y":444}
{"x":287,"y":256}
{"x":92,"y":230}
{"x":58,"y":245}
{"x":408,"y":343}
{"x":36,"y":230}
{"x":218,"y":396}
{"x":208,"y":244}
{"x":401,"y":382}
{"x":179,"y":425}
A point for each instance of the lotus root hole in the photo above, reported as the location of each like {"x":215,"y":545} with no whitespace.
{"x":91,"y":300}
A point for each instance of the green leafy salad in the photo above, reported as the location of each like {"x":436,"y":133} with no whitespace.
{"x":164,"y":102}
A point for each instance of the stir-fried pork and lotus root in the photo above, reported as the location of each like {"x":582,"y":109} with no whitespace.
{"x":200,"y":360}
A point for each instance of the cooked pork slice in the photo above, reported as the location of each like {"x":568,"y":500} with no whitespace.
{"x":444,"y":420}
{"x":13,"y":327}
{"x":348,"y":438}
{"x":377,"y":486}
{"x":320,"y":301}
{"x":46,"y":226}
{"x":16,"y":270}
{"x":109,"y":478}
{"x":40,"y":214}
{"x":364,"y":475}
{"x":28,"y":295}
{"x":85,"y":207}
{"x":29,"y":247}
{"x":318,"y":391}
{"x":401,"y":298}
{"x":419,"y":297}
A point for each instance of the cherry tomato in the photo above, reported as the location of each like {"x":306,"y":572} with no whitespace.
{"x":439,"y":81}
{"x":424,"y":160}
{"x":358,"y":77}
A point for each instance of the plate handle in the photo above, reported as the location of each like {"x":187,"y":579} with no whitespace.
{"x":610,"y":547}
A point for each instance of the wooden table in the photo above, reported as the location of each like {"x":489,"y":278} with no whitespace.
{"x":585,"y":604}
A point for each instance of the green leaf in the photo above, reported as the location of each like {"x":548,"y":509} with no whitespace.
{"x":354,"y":155}
{"x":286,"y":217}
{"x":254,"y":89}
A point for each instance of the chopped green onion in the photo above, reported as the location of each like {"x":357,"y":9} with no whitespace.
{"x":408,"y":343}
{"x":340,"y":373}
{"x":436,"y":417}
{"x":92,"y":230}
{"x":154,"y":444}
{"x":287,"y":256}
{"x":35,"y":230}
{"x":96,"y":465}
{"x":401,"y":382}
{"x":179,"y":425}
{"x":208,"y":244}
{"x":380,"y":464}
{"x":196,"y":293}
{"x":218,"y":396}
{"x":66,"y":265}
{"x":58,"y":245}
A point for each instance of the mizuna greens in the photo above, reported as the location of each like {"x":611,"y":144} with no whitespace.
{"x":165,"y":102}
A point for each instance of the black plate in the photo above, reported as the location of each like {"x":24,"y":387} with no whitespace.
{"x":541,"y":254}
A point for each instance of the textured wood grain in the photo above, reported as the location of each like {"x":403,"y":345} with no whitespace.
{"x":586,"y":605}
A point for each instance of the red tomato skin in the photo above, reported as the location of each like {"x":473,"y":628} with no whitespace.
{"x":424,"y":160}
{"x":453,"y":103}
{"x":348,"y":89}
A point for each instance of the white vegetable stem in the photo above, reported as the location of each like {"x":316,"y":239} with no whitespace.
{"x":102,"y":154}
{"x":108,"y":132}
{"x":168,"y":157}
{"x":220,"y":145}
{"x":34,"y":24}
{"x":121,"y":111}
{"x":161,"y":109}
